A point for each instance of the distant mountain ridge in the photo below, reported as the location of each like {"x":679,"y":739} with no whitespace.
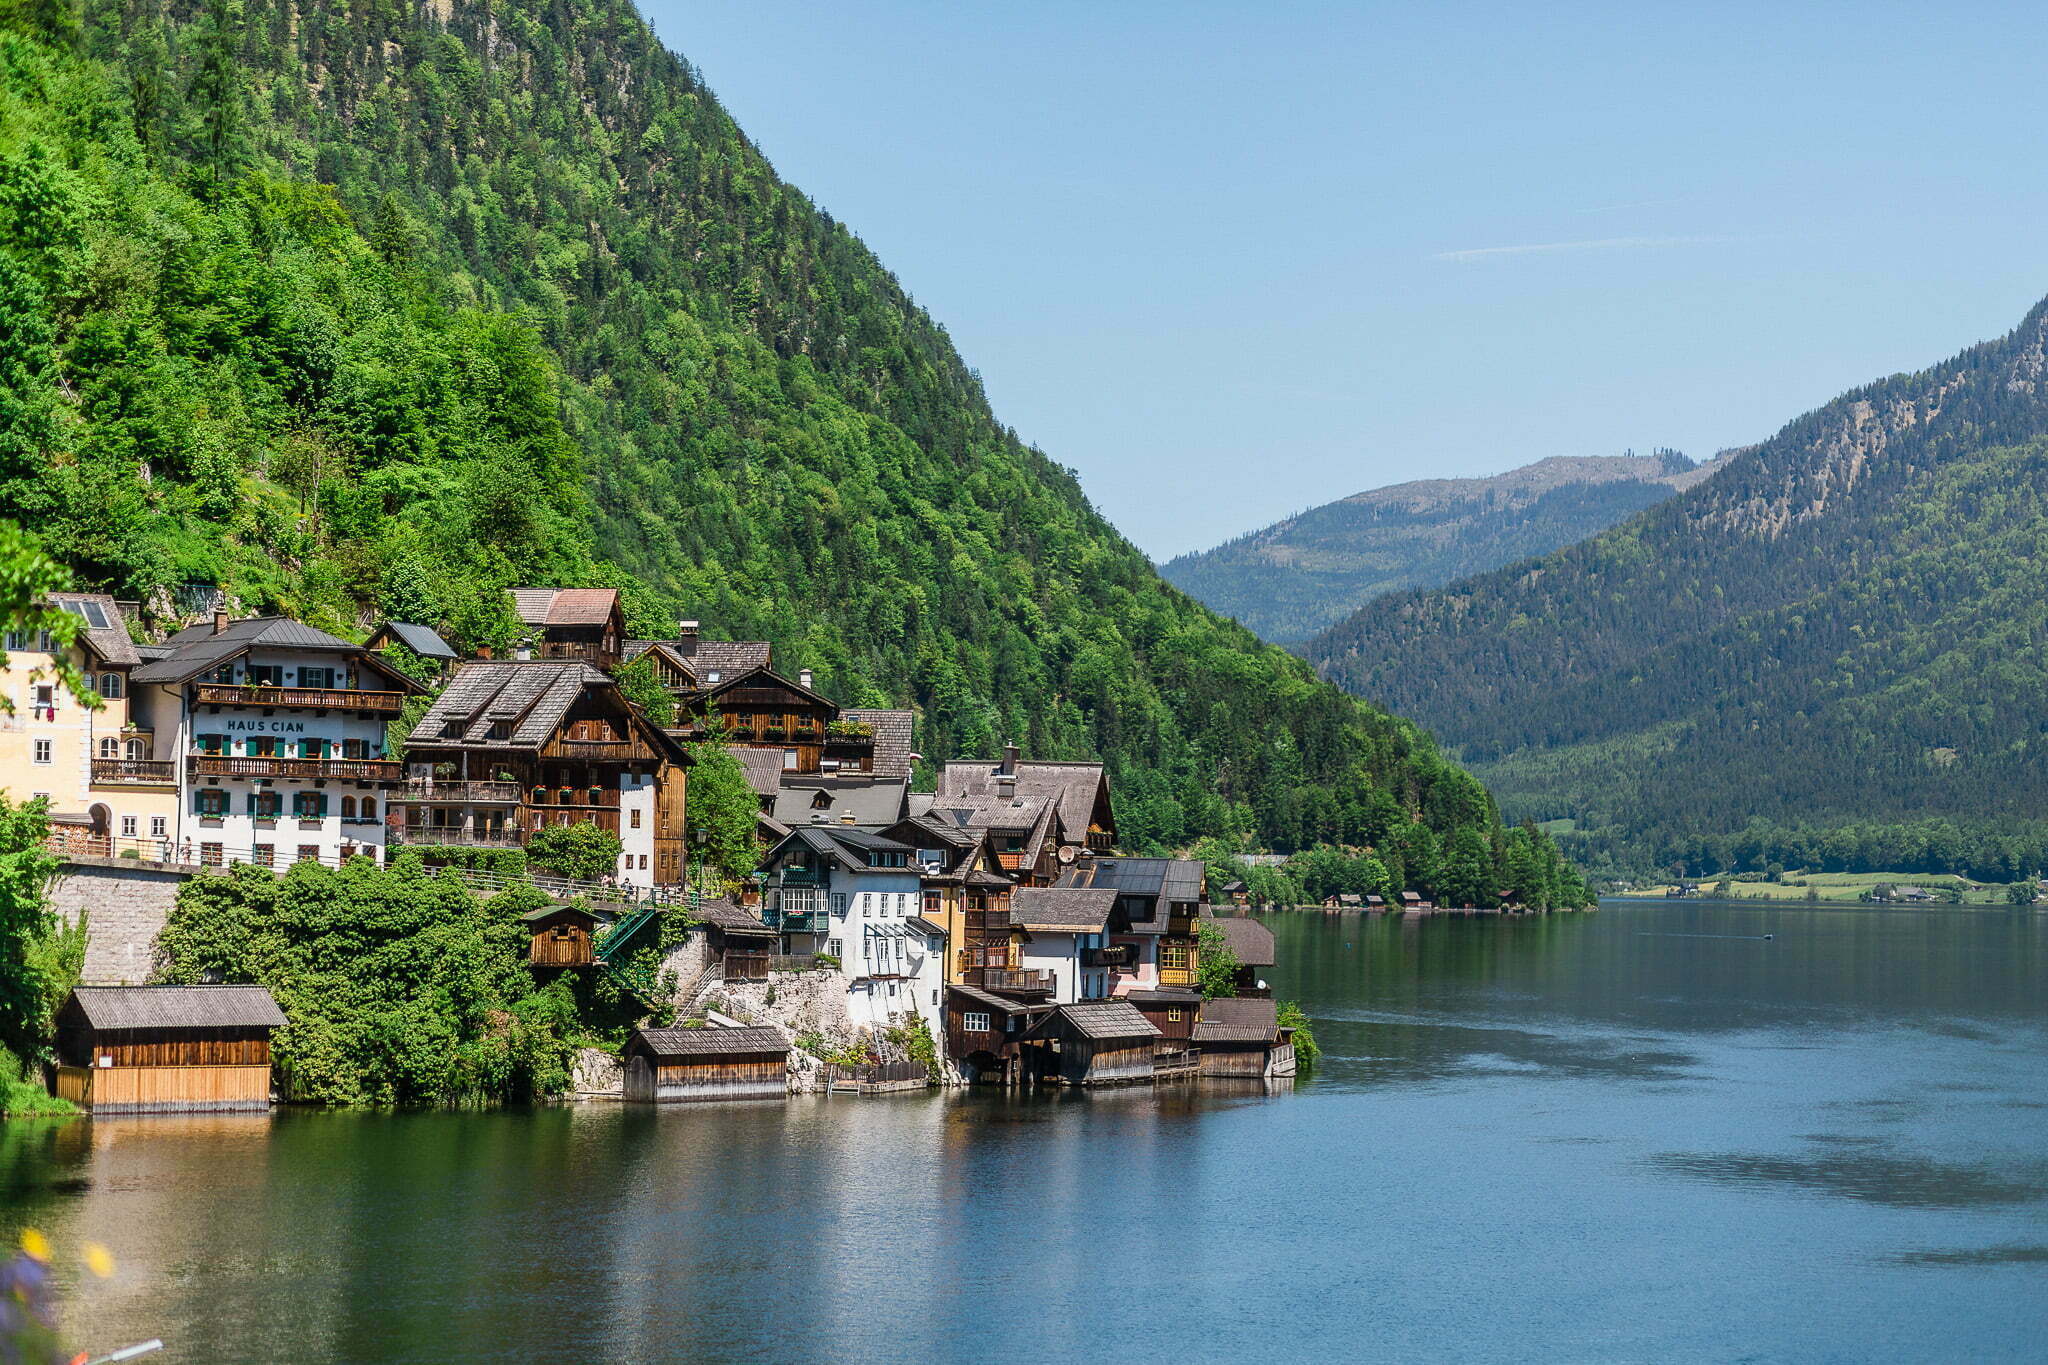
{"x":1830,"y":654}
{"x":1311,"y":570}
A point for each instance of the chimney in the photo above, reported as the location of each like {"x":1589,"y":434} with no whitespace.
{"x":483,"y":651}
{"x":803,"y":678}
{"x":1009,"y":768}
{"x":846,"y":819}
{"x":686,"y":631}
{"x":220,"y":621}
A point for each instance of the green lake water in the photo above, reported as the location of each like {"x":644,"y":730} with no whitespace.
{"x":1641,"y":1135}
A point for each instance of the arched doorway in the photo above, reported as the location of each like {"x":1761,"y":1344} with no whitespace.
{"x":102,"y":831}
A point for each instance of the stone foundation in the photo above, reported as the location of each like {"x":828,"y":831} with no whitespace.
{"x":125,"y":903}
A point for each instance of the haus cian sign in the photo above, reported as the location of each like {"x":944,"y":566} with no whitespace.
{"x":269,"y":727}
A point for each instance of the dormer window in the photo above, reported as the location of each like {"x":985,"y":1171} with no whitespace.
{"x":712,"y":676}
{"x":501,"y":729}
{"x":452,"y":729}
{"x":822,"y":801}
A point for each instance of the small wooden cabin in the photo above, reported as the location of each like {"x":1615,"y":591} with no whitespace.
{"x":1251,"y":942}
{"x":563,"y":936}
{"x":1242,"y":1038}
{"x":1173,"y":1012}
{"x":985,"y":1032}
{"x":668,"y":1065}
{"x":1093,"y":1042}
{"x":166,"y":1049}
{"x":1238,"y":893}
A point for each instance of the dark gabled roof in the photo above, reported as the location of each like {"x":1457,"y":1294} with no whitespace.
{"x":1170,"y":879}
{"x":1166,"y":996}
{"x":1061,"y":909}
{"x":845,"y":844}
{"x":168,"y":1007}
{"x":925,"y":926}
{"x":1249,"y":939}
{"x":874,"y":803}
{"x":893,"y":740}
{"x":999,"y":1003}
{"x":1100,"y":1019}
{"x":763,"y":676}
{"x":110,"y":641}
{"x":547,"y":912}
{"x":1245,"y":1019}
{"x":200,"y":649}
{"x":733,"y":919}
{"x":421,"y":640}
{"x":545,"y":607}
{"x":534,"y":696}
{"x":711,"y":1042}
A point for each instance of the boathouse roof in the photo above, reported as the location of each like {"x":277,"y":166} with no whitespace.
{"x":1098,"y":1019}
{"x":1251,"y":941}
{"x":710,"y":1042}
{"x":1238,"y":1020}
{"x":176,"y":1007}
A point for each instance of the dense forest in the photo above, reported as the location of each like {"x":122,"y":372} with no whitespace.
{"x":1299,"y":576}
{"x":373,"y":310}
{"x":1829,"y":655}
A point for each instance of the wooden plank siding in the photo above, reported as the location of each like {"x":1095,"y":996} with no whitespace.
{"x":165,"y":1089}
{"x":710,"y":1078}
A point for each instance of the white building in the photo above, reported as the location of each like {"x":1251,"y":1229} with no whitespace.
{"x":278,"y":731}
{"x":1066,"y":935}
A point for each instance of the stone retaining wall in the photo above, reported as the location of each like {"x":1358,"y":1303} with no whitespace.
{"x":125,"y":904}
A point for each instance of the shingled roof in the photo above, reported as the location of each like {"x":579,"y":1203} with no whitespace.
{"x":545,"y":607}
{"x":169,"y":1007}
{"x":763,"y":768}
{"x":105,"y":633}
{"x":421,"y":640}
{"x":1106,"y":1019}
{"x":712,"y":1042}
{"x":533,"y":696}
{"x":201,"y":649}
{"x":1071,"y":788}
{"x":726,"y":658}
{"x":893,"y":731}
{"x":1240,"y":1020}
{"x":1061,"y":909}
{"x":1249,"y":939}
{"x":874,"y":803}
{"x":733,"y":919}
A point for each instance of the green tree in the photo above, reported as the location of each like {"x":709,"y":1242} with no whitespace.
{"x":642,"y":687}
{"x":1216,"y":966}
{"x":581,"y":852}
{"x":721,"y":809}
{"x":2021,"y":892}
{"x":26,"y":923}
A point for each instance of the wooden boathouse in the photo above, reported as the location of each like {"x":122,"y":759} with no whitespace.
{"x":1092,"y":1042}
{"x":166,"y":1049}
{"x":1242,"y":1037}
{"x":669,"y":1065}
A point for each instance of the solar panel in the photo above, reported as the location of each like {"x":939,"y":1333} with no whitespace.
{"x":95,"y":615}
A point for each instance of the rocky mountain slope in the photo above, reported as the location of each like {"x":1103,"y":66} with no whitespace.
{"x":1301,"y":575}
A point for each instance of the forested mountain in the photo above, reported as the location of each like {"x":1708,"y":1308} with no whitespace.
{"x":1828,"y":655}
{"x":1301,"y":575}
{"x":379,"y":309}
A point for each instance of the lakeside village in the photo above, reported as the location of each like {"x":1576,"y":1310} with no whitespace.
{"x":985,"y":932}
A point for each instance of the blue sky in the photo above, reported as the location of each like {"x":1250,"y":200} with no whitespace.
{"x":1232,"y":260}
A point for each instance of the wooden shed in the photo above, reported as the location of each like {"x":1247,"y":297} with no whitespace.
{"x":1093,"y":1042}
{"x":166,"y":1049}
{"x":1173,"y":1012}
{"x":1242,"y":1037}
{"x":667,"y":1065}
{"x":563,"y":936}
{"x":985,"y":1032}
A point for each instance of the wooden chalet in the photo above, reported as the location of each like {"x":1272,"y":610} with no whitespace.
{"x":1040,"y":817}
{"x":1251,"y":943}
{"x":1242,"y":1038}
{"x":166,"y":1049}
{"x":669,"y":1065}
{"x":1093,"y":1042}
{"x":573,"y":623}
{"x":966,"y":895}
{"x":511,"y":747}
{"x":985,"y":1033}
{"x":746,"y":948}
{"x":761,"y":709}
{"x":1237,"y":893}
{"x":563,"y":935}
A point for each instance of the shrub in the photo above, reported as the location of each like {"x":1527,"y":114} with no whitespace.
{"x":581,"y":852}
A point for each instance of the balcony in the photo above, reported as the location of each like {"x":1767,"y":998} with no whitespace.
{"x":427,"y":789}
{"x":134,"y":772}
{"x":343,"y":769}
{"x":590,"y":651}
{"x":451,"y":837}
{"x":1021,"y":982}
{"x":593,"y":750}
{"x":803,"y":922}
{"x":797,"y":876}
{"x":320,"y":698}
{"x":1122,"y":955}
{"x":558,"y":797}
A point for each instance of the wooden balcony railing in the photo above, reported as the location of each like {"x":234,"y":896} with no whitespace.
{"x":556,"y":797}
{"x":1010,"y":979}
{"x":346,"y":769}
{"x":1177,"y":976}
{"x":590,"y":651}
{"x":455,"y":838}
{"x":134,"y":772}
{"x":322,"y":698}
{"x":474,"y":793}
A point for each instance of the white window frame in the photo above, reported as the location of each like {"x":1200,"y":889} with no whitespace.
{"x":44,"y":752}
{"x":159,"y":827}
{"x":129,"y":826}
{"x":968,"y":1024}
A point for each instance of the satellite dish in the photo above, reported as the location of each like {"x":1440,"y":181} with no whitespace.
{"x":1068,"y":853}
{"x":1263,"y":985}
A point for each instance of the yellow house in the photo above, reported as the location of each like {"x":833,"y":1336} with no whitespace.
{"x":108,"y":790}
